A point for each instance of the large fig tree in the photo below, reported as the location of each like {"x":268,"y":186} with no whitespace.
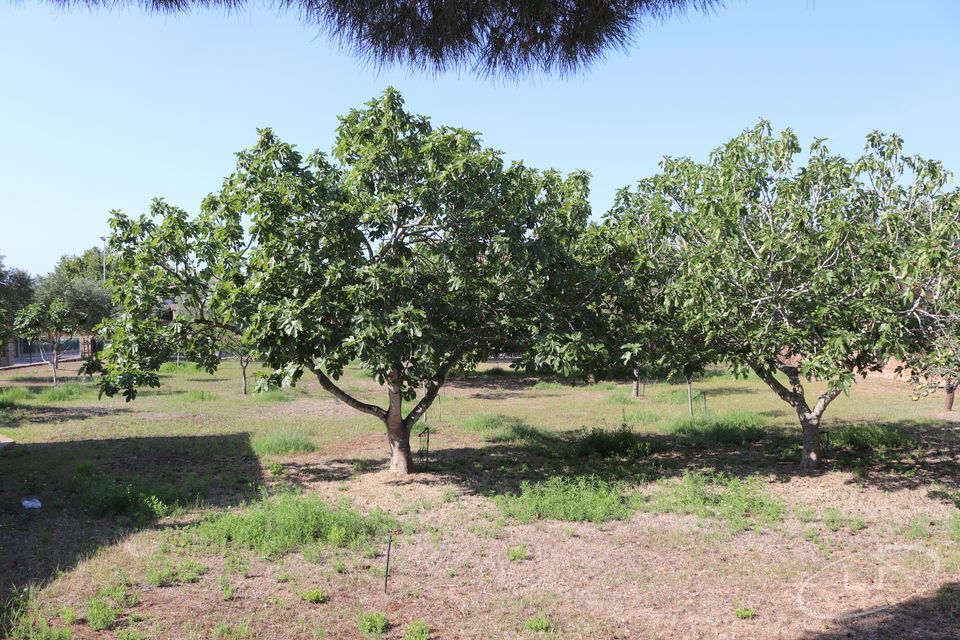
{"x":412,"y":251}
{"x":797,"y":272}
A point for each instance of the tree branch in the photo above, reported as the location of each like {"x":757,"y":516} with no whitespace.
{"x":433,"y":389}
{"x":346,"y":398}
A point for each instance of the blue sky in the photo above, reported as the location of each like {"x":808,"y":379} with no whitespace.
{"x":104,"y":110}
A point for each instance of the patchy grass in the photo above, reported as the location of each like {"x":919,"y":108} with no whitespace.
{"x":568,"y":499}
{"x":604,"y":443}
{"x":64,"y":393}
{"x":483,"y":422}
{"x":139,"y":499}
{"x":274,"y":395}
{"x":743,"y":503}
{"x":276,"y":525}
{"x":544,"y":385}
{"x":13,"y":397}
{"x":283,"y":442}
{"x":867,"y":437}
{"x":740,"y":428}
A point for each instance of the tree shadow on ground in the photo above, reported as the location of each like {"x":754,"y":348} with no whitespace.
{"x":534,"y":455}
{"x":934,"y":617}
{"x":39,"y":543}
{"x":45,"y":414}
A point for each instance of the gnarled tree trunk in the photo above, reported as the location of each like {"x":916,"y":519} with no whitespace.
{"x":398,"y":431}
{"x":636,"y":383}
{"x":950,"y":386}
{"x":810,"y":424}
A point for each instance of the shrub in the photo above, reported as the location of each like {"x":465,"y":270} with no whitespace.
{"x":603,"y":443}
{"x":13,"y":397}
{"x":417,"y":630}
{"x":283,"y":442}
{"x":483,"y":422}
{"x":740,"y":428}
{"x":289,"y":521}
{"x":569,"y":499}
{"x":63,"y":393}
{"x":371,"y":624}
{"x":742,"y":503}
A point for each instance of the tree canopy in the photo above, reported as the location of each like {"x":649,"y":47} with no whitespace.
{"x":413,"y":250}
{"x":497,"y":37}
{"x":819,"y":272}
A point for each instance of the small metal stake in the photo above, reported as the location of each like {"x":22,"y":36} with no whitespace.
{"x":386,"y":571}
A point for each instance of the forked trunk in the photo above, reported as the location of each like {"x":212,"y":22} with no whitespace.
{"x":243,"y":372}
{"x":810,"y":424}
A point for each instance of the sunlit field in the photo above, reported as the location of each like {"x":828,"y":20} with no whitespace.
{"x":541,"y":510}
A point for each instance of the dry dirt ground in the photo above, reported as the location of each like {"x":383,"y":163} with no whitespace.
{"x":867,"y":548}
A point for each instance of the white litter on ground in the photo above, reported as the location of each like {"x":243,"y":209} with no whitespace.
{"x":30,"y":503}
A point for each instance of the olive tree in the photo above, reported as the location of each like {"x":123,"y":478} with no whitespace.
{"x":412,"y":250}
{"x":820,"y":271}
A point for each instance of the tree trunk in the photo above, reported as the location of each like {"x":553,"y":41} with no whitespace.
{"x":398,"y":432}
{"x":636,"y":383}
{"x":951,"y":389}
{"x":811,"y":439}
{"x":243,"y":372}
{"x":54,"y":361}
{"x":690,"y":396}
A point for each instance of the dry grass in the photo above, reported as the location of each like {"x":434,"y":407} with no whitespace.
{"x":877,"y":528}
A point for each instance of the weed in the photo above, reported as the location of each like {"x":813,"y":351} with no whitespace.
{"x":13,"y":397}
{"x":811,"y":534}
{"x":864,"y":437}
{"x":603,"y":443}
{"x":417,"y":630}
{"x":140,"y":499}
{"x":339,"y":565}
{"x":314,"y":596}
{"x":483,"y":422}
{"x":101,"y":615}
{"x":196,"y":395}
{"x":745,"y":613}
{"x":63,"y":393}
{"x":619,"y":397}
{"x":371,"y":625}
{"x":40,"y":630}
{"x":276,"y":470}
{"x":285,"y":522}
{"x":166,"y":574}
{"x":739,"y":428}
{"x":538,"y":622}
{"x":918,"y":528}
{"x":569,"y":499}
{"x":547,"y":386}
{"x":833,"y":518}
{"x":227,"y":631}
{"x":642,"y":416}
{"x":742,"y":503}
{"x":856,"y":523}
{"x":68,"y":615}
{"x":274,"y":395}
{"x":130,"y":634}
{"x":805,"y":514}
{"x":606,"y":385}
{"x":227,"y":591}
{"x":517,"y":553}
{"x":282,"y":442}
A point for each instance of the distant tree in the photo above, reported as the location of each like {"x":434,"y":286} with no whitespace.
{"x":417,"y":252}
{"x":78,"y":282}
{"x":816,"y":272}
{"x":48,"y":324}
{"x":503,"y":37}
{"x":16,"y":292}
{"x":938,"y":367}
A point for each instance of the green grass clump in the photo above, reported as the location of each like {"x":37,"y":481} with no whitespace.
{"x":547,"y":386}
{"x":13,"y":397}
{"x":619,"y":397}
{"x":535,"y":440}
{"x":606,"y":385}
{"x":568,"y":499}
{"x":140,"y":499}
{"x":740,"y":428}
{"x":101,"y":615}
{"x":274,"y":395}
{"x":538,"y":622}
{"x":372,"y":625}
{"x":167,"y":574}
{"x":288,"y":521}
{"x":63,"y":393}
{"x":196,"y":395}
{"x":416,"y":630}
{"x":742,"y":503}
{"x":603,"y":443}
{"x":642,"y":416}
{"x":866,"y":437}
{"x":518,"y":553}
{"x":314,"y":596}
{"x":40,"y":630}
{"x":173,"y":367}
{"x":283,"y":442}
{"x":483,"y":422}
